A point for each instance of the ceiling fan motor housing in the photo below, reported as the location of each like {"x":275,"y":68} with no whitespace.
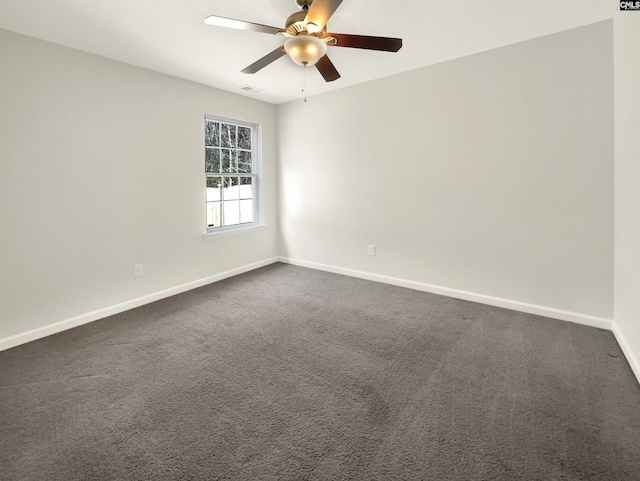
{"x":295,"y":25}
{"x":296,"y":18}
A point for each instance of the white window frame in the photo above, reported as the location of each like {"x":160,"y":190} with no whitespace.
{"x":256,"y":175}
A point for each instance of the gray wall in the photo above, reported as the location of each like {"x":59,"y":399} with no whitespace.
{"x":102,"y":168}
{"x":627,"y":184}
{"x":490,"y":174}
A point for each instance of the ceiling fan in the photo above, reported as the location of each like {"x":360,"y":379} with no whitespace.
{"x":307,"y":37}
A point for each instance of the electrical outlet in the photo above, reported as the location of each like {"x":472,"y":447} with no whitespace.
{"x":371,"y":250}
{"x":137,"y":270}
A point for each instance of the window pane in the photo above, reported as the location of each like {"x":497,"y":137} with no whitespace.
{"x":231,"y":211}
{"x":244,"y":161}
{"x":229,"y":161}
{"x":213,"y":214}
{"x":246,"y":211}
{"x":212,"y":133}
{"x":244,"y":138}
{"x":212,"y":160}
{"x":226,"y":181}
{"x":246,"y":187}
{"x":213,"y":188}
{"x":228,"y":135}
{"x":231,"y":189}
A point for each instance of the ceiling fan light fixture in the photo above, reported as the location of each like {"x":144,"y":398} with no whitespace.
{"x":305,"y":50}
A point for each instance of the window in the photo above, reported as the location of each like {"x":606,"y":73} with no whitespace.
{"x":232,"y":170}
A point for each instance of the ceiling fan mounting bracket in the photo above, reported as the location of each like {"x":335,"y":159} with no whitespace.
{"x":304,"y":4}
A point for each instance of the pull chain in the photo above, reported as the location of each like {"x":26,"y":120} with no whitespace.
{"x":304,"y":82}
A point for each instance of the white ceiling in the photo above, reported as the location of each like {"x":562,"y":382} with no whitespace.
{"x":170,"y":36}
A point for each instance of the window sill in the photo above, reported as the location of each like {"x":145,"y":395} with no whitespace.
{"x":230,"y":232}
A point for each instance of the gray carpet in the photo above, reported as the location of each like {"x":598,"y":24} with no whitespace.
{"x":286,"y":373}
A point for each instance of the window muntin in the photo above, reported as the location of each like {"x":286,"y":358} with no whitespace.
{"x":231,"y":167}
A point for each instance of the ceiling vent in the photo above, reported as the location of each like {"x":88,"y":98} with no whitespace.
{"x":249,"y":88}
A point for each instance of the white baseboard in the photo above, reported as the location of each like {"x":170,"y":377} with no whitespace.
{"x":60,"y":326}
{"x":627,"y":351}
{"x":588,"y":320}
{"x":570,"y":316}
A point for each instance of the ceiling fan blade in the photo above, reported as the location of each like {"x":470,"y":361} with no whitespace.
{"x":240,"y":25}
{"x":327,"y":69}
{"x":264,"y":61}
{"x":320,"y":11}
{"x":385,"y":44}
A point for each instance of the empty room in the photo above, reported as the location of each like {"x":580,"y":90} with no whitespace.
{"x":319,"y":240}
